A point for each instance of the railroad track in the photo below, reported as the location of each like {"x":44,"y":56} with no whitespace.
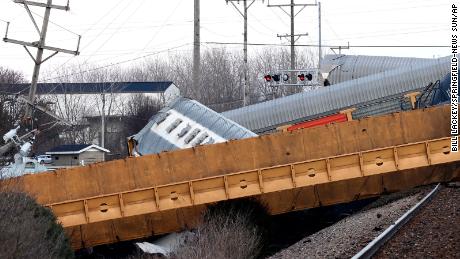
{"x":379,"y":241}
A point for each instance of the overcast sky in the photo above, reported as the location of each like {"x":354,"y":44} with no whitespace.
{"x":121,"y":30}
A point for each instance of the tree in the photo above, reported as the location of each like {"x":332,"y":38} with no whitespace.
{"x":230,"y":229}
{"x":10,"y":109}
{"x":29,"y":230}
{"x":139,"y":110}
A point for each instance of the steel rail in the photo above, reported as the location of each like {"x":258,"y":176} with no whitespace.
{"x":379,"y":241}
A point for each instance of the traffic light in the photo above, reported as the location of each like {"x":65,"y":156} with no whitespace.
{"x":285,"y":77}
{"x":301,"y":77}
{"x":276,"y":78}
{"x":268,"y":78}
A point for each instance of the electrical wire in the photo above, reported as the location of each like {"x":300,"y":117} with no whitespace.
{"x":154,"y":36}
{"x":328,"y":46}
{"x":368,"y":35}
{"x":216,"y":33}
{"x":113,"y":34}
{"x":89,"y":27}
{"x":50,"y":21}
{"x":281,"y":19}
{"x":89,"y":57}
{"x":118,"y":63}
{"x":375,"y":10}
{"x":335,"y":33}
{"x":261,"y":23}
{"x":118,"y":55}
{"x":162,"y":26}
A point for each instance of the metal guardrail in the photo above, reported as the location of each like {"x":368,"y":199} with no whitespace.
{"x":379,"y":241}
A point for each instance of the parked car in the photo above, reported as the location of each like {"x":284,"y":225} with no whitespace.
{"x":44,"y":159}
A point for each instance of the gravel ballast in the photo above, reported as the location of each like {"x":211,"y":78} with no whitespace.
{"x":348,"y":236}
{"x":433,"y":233}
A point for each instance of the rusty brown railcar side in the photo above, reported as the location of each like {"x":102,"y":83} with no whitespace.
{"x":284,"y":148}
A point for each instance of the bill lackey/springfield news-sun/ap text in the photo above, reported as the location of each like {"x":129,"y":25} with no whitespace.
{"x":454,"y":82}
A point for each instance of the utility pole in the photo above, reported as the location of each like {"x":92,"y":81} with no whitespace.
{"x":196,"y":44}
{"x":244,"y":13}
{"x":40,"y":45}
{"x":319,"y":37}
{"x":293,"y":78}
{"x":292,"y":14}
{"x":103,"y":122}
{"x":38,"y":60}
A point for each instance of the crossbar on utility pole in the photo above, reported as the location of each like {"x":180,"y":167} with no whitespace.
{"x":40,"y":45}
{"x":340,"y":48}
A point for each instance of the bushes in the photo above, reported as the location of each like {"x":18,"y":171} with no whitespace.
{"x":28,"y":230}
{"x":230,"y":230}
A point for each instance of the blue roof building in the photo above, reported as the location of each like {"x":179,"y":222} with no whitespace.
{"x":89,"y":88}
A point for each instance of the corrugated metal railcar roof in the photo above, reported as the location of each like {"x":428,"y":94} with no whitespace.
{"x":266,"y":116}
{"x":345,"y":67}
{"x":173,"y":127}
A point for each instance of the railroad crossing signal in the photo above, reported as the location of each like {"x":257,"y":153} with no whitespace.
{"x":276,"y":77}
{"x":303,"y":76}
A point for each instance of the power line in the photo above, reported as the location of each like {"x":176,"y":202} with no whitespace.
{"x":328,"y":46}
{"x":100,"y":19}
{"x":113,"y":34}
{"x":375,"y":10}
{"x":91,"y":55}
{"x":279,"y":18}
{"x":117,"y":29}
{"x":118,"y":55}
{"x":89,"y":27}
{"x":384,"y":35}
{"x":117,"y":63}
{"x":252,"y":44}
{"x":162,"y":25}
{"x":53,"y":22}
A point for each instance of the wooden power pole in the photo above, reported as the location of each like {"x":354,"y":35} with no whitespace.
{"x":196,"y":44}
{"x":40,"y":45}
{"x":244,"y":14}
{"x":292,"y":14}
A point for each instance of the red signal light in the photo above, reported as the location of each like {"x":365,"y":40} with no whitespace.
{"x":268,"y":78}
{"x":301,"y":77}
